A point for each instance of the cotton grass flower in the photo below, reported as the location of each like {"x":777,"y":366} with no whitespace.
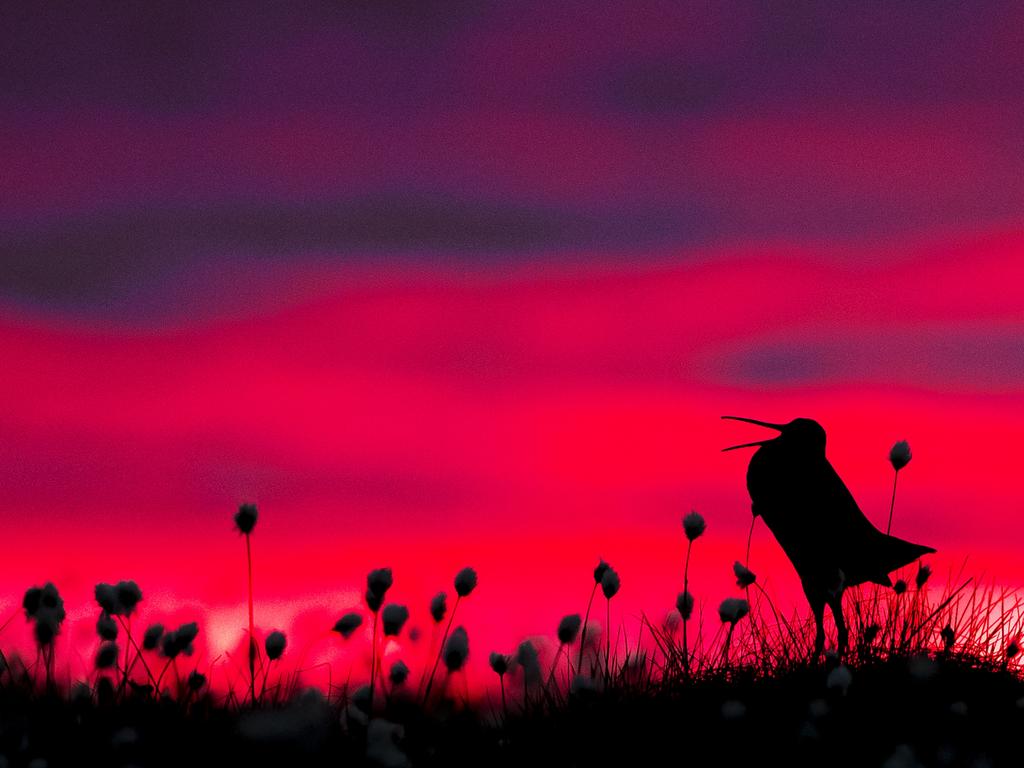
{"x":899,"y":586}
{"x":394,"y":617}
{"x":465,"y":582}
{"x":744,"y":576}
{"x":438,"y":607}
{"x":378,"y":582}
{"x":922,"y":667}
{"x":456,"y":650}
{"x":106,"y":627}
{"x":106,"y":656}
{"x":45,"y":607}
{"x":382,"y":744}
{"x":196,"y":680}
{"x":732,"y":609}
{"x":694,"y":526}
{"x":498,"y":662}
{"x":275,"y":644}
{"x":599,"y":573}
{"x":245,"y":518}
{"x":568,"y":628}
{"x":610,"y":583}
{"x":128,"y":597}
{"x":151,"y":637}
{"x":733,"y":710}
{"x":180,"y":641}
{"x":528,"y":660}
{"x":684,"y":604}
{"x":398,"y":674}
{"x":347,"y":624}
{"x":839,"y":679}
{"x":245,"y":521}
{"x":948,"y":637}
{"x":899,"y":457}
{"x":924,"y":573}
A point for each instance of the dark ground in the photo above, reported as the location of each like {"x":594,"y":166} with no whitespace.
{"x":901,"y":712}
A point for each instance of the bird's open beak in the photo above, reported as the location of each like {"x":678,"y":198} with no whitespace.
{"x":752,"y":421}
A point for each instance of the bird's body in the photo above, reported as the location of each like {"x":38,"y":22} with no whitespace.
{"x":817,"y":522}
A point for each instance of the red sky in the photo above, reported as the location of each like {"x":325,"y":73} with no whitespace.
{"x":474,"y":290}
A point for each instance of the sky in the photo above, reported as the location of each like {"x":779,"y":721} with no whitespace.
{"x":457,"y":284}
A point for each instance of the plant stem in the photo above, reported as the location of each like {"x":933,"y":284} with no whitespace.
{"x":504,"y":704}
{"x":725,"y":648}
{"x":138,"y":651}
{"x":554,"y":663}
{"x":252,"y":631}
{"x":373,"y":661}
{"x":686,"y":592}
{"x":892,"y":504}
{"x":583,"y":637}
{"x":608,"y":645}
{"x":440,"y":651}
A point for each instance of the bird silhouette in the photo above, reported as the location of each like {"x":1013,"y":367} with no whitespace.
{"x":816,"y":521}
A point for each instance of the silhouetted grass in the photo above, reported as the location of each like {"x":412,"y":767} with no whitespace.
{"x":931,"y":677}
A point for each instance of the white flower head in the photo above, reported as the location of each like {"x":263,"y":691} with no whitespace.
{"x":569,"y":628}
{"x":378,"y":582}
{"x":900,"y":455}
{"x":839,"y":679}
{"x":245,"y":518}
{"x":924,"y":572}
{"x":527,"y":658}
{"x":382,"y":744}
{"x":610,"y":583}
{"x":465,"y":582}
{"x":151,"y":637}
{"x":733,"y":710}
{"x":106,"y":656}
{"x":456,"y":650}
{"x":399,"y":673}
{"x":744,"y":576}
{"x":394,"y":617}
{"x":684,"y":604}
{"x":275,"y":644}
{"x":348,"y":624}
{"x":694,"y":525}
{"x":499,"y":662}
{"x":732,"y":609}
{"x":106,"y":627}
{"x":438,"y":607}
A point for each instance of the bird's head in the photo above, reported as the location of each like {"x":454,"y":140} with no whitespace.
{"x":799,"y":435}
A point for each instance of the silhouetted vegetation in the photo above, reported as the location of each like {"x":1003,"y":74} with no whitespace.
{"x":931,"y":677}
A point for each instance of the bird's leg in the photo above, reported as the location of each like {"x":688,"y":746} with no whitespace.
{"x":835,"y":604}
{"x":818,"y":609}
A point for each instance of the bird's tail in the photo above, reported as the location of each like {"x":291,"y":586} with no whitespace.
{"x":895,"y":553}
